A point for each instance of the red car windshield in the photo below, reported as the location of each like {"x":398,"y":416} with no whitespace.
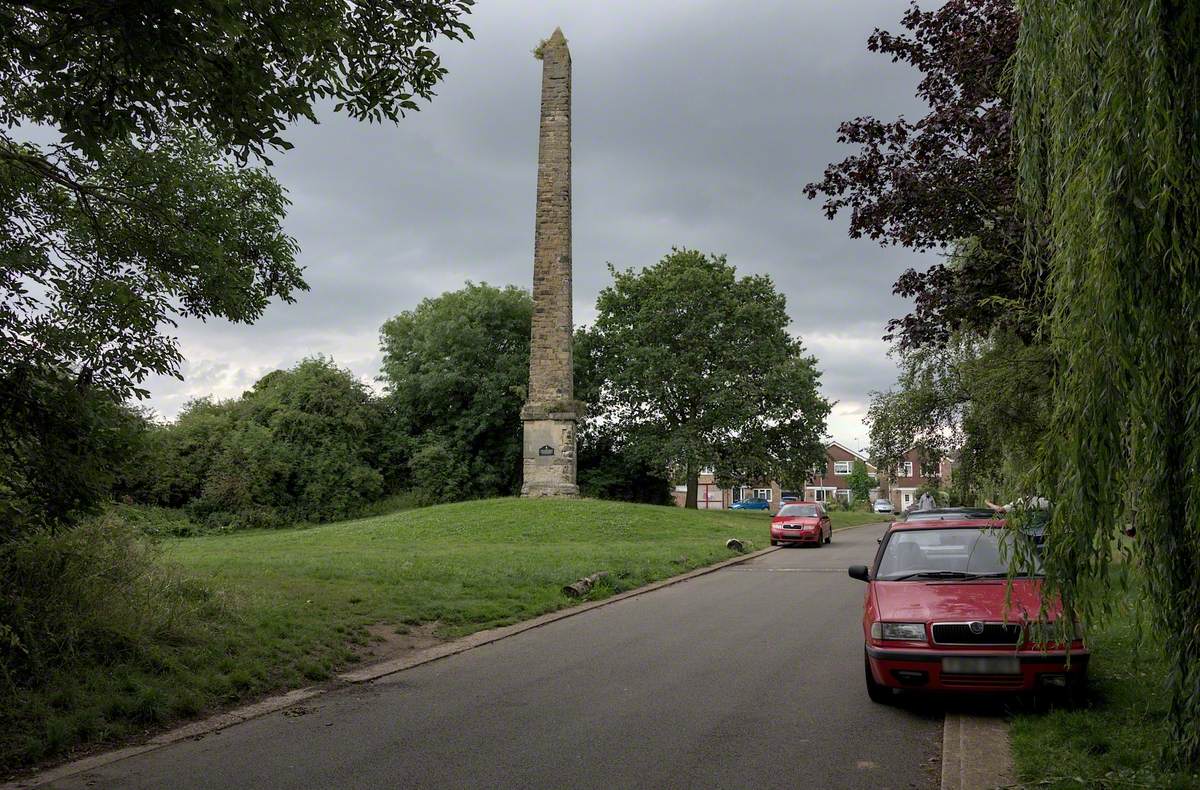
{"x":962,"y":552}
{"x":801,"y":511}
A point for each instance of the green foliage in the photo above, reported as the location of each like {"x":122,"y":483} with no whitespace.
{"x":1108,"y":123}
{"x":607,"y":470}
{"x":985,"y":401}
{"x":438,"y":473}
{"x":301,"y":445}
{"x":163,"y":229}
{"x":178,"y":65}
{"x":139,"y":209}
{"x":64,"y":443}
{"x":859,"y":482}
{"x":699,"y":369}
{"x":455,"y":371}
{"x":80,"y":608}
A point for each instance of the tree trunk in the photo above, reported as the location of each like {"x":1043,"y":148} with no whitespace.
{"x":693,"y":485}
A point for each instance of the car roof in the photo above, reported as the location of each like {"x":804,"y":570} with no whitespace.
{"x":948,"y":523}
{"x":948,"y":513}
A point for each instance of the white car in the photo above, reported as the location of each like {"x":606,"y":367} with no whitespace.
{"x":884,"y":506}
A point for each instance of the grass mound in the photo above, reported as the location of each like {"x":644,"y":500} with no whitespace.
{"x":104,"y":636}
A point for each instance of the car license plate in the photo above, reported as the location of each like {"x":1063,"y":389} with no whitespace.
{"x":982,"y":665}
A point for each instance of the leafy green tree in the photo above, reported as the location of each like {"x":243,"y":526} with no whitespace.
{"x":301,"y":445}
{"x":699,"y":369}
{"x":859,"y":482}
{"x":62,"y":448}
{"x":137,"y":205}
{"x":455,"y":371}
{"x":1108,"y":126}
{"x":125,"y":220}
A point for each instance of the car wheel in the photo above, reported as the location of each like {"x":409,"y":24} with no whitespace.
{"x":877,"y":692}
{"x":774,"y":542}
{"x":830,"y":538}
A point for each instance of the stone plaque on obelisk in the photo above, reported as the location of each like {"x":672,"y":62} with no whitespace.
{"x":551,"y":412}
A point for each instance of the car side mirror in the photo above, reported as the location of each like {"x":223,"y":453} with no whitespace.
{"x":859,"y":572}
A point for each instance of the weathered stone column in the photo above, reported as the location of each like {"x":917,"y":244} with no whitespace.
{"x":551,"y":412}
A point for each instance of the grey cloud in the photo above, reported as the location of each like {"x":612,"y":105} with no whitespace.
{"x":695,"y":123}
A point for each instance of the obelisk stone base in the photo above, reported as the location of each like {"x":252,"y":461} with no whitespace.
{"x":550,"y":449}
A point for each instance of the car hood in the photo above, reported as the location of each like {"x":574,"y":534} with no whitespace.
{"x":928,"y":601}
{"x":806,"y":521}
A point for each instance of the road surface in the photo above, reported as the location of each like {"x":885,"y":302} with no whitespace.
{"x":751,"y":676}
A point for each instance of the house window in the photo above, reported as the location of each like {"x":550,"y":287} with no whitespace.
{"x":904,"y":470}
{"x":762,"y":493}
{"x":740,"y":493}
{"x":841,"y":467}
{"x":819,"y":494}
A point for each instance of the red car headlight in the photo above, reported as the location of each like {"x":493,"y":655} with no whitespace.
{"x":898,"y":632}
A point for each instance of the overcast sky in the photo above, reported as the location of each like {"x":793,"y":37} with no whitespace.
{"x":696,"y":122}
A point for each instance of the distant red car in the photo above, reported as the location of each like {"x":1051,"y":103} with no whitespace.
{"x":934,"y":616}
{"x":801,"y":522}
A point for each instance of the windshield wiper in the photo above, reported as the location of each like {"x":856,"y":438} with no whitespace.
{"x":935,"y":575}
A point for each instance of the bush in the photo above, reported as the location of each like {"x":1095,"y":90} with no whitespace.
{"x":302,"y":445}
{"x":439,"y":473}
{"x":93,"y":593}
{"x":65,"y":444}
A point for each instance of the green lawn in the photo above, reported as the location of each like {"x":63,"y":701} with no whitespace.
{"x":1115,"y":740}
{"x":466,"y":566}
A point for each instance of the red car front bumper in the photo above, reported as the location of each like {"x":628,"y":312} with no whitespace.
{"x":797,"y":536}
{"x":922,"y":670}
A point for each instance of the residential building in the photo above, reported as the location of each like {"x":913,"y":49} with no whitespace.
{"x":832,"y":481}
{"x":909,"y":477}
{"x":710,"y":496}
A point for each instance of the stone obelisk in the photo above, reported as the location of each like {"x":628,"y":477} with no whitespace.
{"x":551,"y":412}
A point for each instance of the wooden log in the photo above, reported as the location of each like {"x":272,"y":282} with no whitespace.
{"x":583,"y":586}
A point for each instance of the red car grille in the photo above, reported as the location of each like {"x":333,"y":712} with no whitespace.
{"x":997,"y":681}
{"x":961,"y":634}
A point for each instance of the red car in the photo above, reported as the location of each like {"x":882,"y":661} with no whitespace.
{"x":935,"y":619}
{"x":801,"y":522}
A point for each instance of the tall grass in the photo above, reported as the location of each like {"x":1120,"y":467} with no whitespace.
{"x":91,"y":626}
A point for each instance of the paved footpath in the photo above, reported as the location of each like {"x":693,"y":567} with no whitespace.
{"x":748,"y":677}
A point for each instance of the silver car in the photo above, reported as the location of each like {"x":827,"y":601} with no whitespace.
{"x":884,"y":506}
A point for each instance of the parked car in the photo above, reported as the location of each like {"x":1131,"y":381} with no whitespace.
{"x":801,"y":523}
{"x":948,"y":514}
{"x":935,"y":616}
{"x":751,"y":504}
{"x":884,"y":506}
{"x":788,"y":497}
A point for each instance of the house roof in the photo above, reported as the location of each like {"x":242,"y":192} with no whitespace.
{"x":855,"y":453}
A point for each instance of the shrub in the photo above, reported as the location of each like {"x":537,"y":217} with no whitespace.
{"x":302,"y":445}
{"x":439,"y":473}
{"x":95,"y":593}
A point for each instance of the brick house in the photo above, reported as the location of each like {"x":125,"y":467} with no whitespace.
{"x":832,"y":481}
{"x":909,"y":477}
{"x":710,"y":496}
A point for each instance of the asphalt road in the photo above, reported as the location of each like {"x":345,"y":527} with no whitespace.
{"x":748,"y":677}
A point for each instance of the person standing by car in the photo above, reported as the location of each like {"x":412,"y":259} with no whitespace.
{"x":927,"y":502}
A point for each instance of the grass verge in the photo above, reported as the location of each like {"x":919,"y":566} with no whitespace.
{"x":234,"y":616}
{"x":1116,"y":740}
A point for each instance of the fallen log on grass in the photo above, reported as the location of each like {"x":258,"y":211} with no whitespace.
{"x":583,"y":586}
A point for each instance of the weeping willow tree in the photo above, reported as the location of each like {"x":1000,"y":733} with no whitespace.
{"x":1107,"y":97}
